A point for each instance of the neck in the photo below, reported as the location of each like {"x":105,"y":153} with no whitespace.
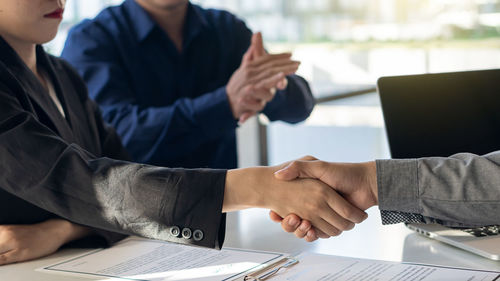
{"x":170,"y":18}
{"x":26,"y":51}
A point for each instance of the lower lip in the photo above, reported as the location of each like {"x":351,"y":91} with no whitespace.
{"x":55,"y":15}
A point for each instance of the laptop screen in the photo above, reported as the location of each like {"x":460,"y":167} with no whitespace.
{"x":442,"y":114}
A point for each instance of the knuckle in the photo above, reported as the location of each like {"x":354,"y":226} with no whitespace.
{"x":311,"y":205}
{"x":309,"y":157}
{"x":321,"y":192}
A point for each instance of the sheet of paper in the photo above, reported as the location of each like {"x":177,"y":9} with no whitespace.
{"x":141,"y":259}
{"x":315,"y":267}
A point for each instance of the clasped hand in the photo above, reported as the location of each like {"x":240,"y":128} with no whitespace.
{"x":355,"y":186}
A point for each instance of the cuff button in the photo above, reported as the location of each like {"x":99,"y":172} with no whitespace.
{"x":175,"y":231}
{"x":186,"y":233}
{"x":198,"y":235}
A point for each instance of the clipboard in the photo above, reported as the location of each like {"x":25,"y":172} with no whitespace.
{"x":267,"y":272}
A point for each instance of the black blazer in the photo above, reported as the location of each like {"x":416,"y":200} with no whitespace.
{"x":55,"y":166}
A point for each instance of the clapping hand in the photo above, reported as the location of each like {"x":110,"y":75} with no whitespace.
{"x":255,"y":82}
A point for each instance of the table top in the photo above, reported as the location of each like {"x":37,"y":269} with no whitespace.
{"x":252,"y":229}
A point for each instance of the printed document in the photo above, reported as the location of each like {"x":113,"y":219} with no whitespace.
{"x":142,"y":259}
{"x":316,"y":267}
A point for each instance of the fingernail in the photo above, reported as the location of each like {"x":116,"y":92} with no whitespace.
{"x":293,"y":221}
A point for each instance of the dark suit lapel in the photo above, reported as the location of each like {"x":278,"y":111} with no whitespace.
{"x":59,"y":87}
{"x":34,"y":89}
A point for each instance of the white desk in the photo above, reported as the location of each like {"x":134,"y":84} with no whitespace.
{"x":252,"y":229}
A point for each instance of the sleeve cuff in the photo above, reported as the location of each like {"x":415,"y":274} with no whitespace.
{"x":201,"y":209}
{"x":392,"y":217}
{"x":292,"y":105}
{"x":213,"y":108}
{"x":397,"y":182}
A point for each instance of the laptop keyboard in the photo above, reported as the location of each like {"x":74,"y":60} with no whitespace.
{"x":484,"y":231}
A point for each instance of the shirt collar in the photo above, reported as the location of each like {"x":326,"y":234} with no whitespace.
{"x":143,"y":24}
{"x":196,"y":22}
{"x":140,"y":20}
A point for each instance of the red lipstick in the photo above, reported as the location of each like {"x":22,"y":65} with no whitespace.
{"x":57,"y":14}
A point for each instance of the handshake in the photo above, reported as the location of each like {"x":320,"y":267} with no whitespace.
{"x":312,"y":198}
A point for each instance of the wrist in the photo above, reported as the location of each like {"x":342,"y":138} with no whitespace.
{"x":231,"y":102}
{"x":371,"y":172}
{"x":66,"y":231}
{"x":247,"y":188}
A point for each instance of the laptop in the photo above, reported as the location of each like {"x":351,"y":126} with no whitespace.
{"x":441,"y":115}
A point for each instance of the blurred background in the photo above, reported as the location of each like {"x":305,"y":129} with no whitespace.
{"x":345,"y":46}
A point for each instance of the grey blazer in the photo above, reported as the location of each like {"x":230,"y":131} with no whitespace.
{"x":461,"y":190}
{"x":65,"y":167}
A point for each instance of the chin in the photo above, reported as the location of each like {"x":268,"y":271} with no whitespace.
{"x":44,"y":36}
{"x":41,"y":41}
{"x":172,"y":4}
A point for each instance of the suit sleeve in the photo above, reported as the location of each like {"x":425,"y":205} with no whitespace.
{"x":118,"y":196}
{"x":147,"y":132}
{"x":461,"y":190}
{"x":293,"y":104}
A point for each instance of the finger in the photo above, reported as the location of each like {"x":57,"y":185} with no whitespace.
{"x":272,"y":72}
{"x":287,"y":66}
{"x":320,"y":234}
{"x":258,"y":43}
{"x":290,"y":223}
{"x":264,"y":94}
{"x":275,"y":217}
{"x":345,"y":210}
{"x":271,"y":63}
{"x":311,"y":235}
{"x":335,"y":220}
{"x":270,"y":82}
{"x":282,"y":84}
{"x":303,"y":229}
{"x":326,"y":227}
{"x":270,"y":57}
{"x":302,"y":169}
{"x":9,"y":257}
{"x":314,"y":232}
{"x":276,"y":62}
{"x":253,"y":105}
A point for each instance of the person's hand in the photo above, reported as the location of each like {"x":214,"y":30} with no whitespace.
{"x":356,"y":182}
{"x":310,"y":199}
{"x":254,"y":83}
{"x":26,"y":242}
{"x":257,"y":51}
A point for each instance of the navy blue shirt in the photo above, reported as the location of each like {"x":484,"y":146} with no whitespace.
{"x":169,"y":107}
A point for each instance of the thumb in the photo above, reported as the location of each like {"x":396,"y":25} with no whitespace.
{"x":301,"y":169}
{"x":258,"y":44}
